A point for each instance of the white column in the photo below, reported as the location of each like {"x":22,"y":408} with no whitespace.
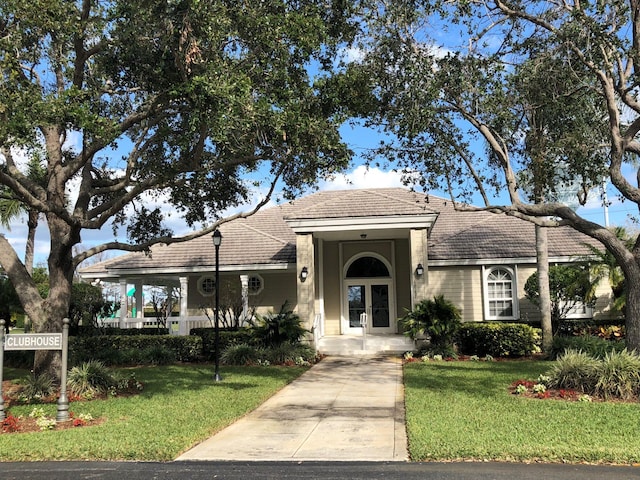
{"x":123,"y":302}
{"x":139,"y":300}
{"x":244,"y":281}
{"x":184,"y":296}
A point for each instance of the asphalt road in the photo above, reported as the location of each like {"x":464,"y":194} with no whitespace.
{"x":309,"y":470}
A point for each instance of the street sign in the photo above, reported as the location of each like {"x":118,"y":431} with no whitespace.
{"x":33,"y":341}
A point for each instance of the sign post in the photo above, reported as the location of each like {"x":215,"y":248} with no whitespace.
{"x":39,"y":341}
{"x":1,"y":368}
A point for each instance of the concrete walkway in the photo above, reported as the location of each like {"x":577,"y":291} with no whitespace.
{"x":342,"y":409}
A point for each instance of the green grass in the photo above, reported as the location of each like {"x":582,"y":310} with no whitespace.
{"x":455,"y":410}
{"x":463,"y":410}
{"x":179,"y":407}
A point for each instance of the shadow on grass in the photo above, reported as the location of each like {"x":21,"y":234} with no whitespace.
{"x":164,"y":380}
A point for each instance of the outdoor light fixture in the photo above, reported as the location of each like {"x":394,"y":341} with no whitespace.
{"x":419,"y":270}
{"x":217,"y":240}
{"x":304,"y":273}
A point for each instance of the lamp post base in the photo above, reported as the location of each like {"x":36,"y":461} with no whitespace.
{"x":217,"y":377}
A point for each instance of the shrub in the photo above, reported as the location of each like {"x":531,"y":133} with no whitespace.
{"x":37,"y":387}
{"x":498,"y":339}
{"x":19,"y":358}
{"x":158,"y":355}
{"x":439,"y":319}
{"x":90,"y":379}
{"x":227,"y":338}
{"x":618,"y":375}
{"x":594,"y":346}
{"x":240,"y":354}
{"x":275,"y":329}
{"x":127,"y":350}
{"x":290,"y":353}
{"x":574,"y":370}
{"x":93,"y":331}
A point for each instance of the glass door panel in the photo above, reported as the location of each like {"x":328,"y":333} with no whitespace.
{"x":357,"y":297}
{"x":380,"y":306}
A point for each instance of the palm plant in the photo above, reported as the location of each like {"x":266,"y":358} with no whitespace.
{"x":275,"y":329}
{"x":12,"y":207}
{"x":602,"y":264}
{"x":439,"y":319}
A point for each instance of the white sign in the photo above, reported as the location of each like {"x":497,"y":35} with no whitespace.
{"x":33,"y":341}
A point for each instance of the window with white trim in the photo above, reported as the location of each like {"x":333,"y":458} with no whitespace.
{"x":501,"y":301}
{"x":578,"y":310}
{"x":206,"y":286}
{"x":256,"y":284}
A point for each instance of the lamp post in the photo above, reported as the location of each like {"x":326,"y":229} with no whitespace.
{"x":217,"y":240}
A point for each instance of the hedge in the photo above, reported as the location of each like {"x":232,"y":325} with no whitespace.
{"x":134,"y":349}
{"x":498,"y":339}
{"x":593,"y":346}
{"x":227,"y":338}
{"x":90,"y":331}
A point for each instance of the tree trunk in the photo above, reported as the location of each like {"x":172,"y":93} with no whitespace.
{"x":542,"y":252}
{"x":56,"y":306}
{"x":632,"y":312}
{"x":32,"y":224}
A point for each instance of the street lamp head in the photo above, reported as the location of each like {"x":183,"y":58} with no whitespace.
{"x":217,"y":238}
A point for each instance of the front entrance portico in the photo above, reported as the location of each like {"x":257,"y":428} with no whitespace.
{"x":360,"y":268}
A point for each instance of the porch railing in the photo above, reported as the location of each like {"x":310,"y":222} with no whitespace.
{"x":176,"y":325}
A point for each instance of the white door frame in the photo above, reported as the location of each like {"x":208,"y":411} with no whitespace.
{"x":367,"y":283}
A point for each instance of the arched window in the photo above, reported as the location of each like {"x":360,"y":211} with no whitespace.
{"x":367,"y":267}
{"x":501,"y":302}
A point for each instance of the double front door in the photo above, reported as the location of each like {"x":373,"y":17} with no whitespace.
{"x":373,"y":298}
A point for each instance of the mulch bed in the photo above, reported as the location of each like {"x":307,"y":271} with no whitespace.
{"x":24,"y":424}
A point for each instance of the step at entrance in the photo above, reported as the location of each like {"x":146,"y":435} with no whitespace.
{"x":353,"y":345}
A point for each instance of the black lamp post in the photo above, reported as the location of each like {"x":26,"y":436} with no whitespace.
{"x":217,"y":240}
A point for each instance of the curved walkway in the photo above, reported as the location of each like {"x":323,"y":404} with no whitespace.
{"x":342,"y":409}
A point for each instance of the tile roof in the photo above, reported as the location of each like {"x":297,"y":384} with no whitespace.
{"x":460,"y":235}
{"x":266,"y":239}
{"x":359,"y":203}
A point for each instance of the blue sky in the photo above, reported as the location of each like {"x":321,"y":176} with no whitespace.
{"x":359,"y":139}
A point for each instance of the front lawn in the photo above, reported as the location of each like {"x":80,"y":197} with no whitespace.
{"x":463,"y":410}
{"x":179,"y":406}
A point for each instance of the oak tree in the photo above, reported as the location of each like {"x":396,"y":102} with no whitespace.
{"x":196,"y":104}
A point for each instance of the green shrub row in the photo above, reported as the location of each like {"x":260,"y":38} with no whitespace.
{"x":91,"y":331}
{"x":498,"y":339}
{"x":284,"y":353}
{"x":136,"y":349}
{"x":593,"y":346}
{"x":227,"y":338}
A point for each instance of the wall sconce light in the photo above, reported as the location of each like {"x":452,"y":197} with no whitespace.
{"x":419,"y":270}
{"x":304,"y":273}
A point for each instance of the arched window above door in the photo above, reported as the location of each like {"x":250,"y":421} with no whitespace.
{"x":367,"y":267}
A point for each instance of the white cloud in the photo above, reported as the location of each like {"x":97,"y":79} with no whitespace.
{"x":363,"y":177}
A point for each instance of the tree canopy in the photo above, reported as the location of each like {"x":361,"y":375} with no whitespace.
{"x":197,"y":104}
{"x":492,"y":98}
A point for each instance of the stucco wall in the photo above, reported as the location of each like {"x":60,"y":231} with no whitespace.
{"x":278,"y":288}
